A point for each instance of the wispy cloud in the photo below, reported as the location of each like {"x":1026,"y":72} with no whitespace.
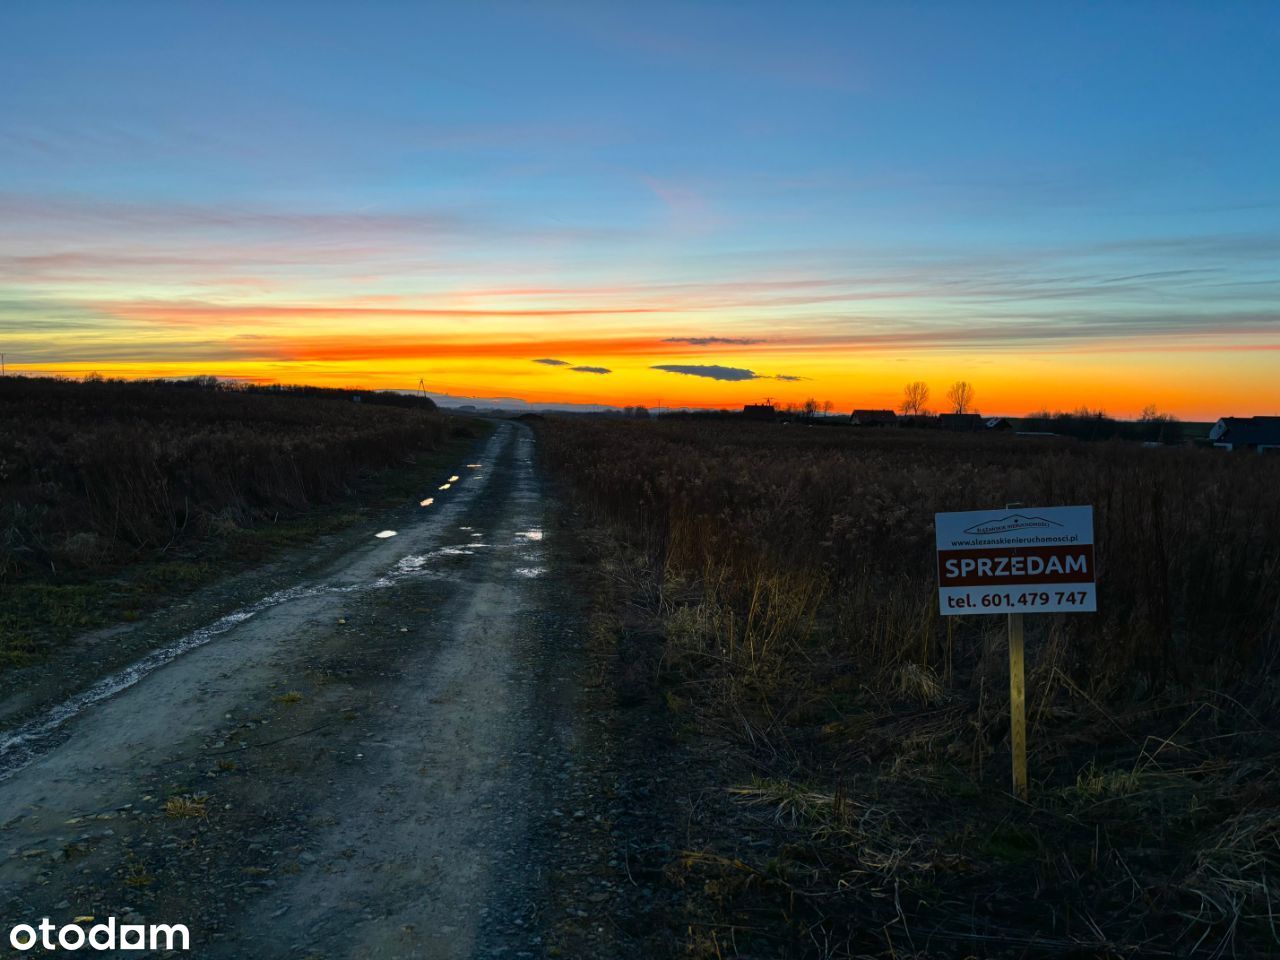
{"x":591,"y":370}
{"x":552,"y":362}
{"x":198,"y":312}
{"x":247,"y":220}
{"x":686,"y":207}
{"x":712,"y":341}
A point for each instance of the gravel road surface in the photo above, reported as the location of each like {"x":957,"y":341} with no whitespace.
{"x":358,"y":763}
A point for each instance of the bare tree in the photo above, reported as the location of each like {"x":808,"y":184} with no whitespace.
{"x":826,"y":408}
{"x":914,"y":396}
{"x":810,"y":408}
{"x":960,"y":396}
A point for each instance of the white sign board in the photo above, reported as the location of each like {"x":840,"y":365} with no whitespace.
{"x":1019,"y":560}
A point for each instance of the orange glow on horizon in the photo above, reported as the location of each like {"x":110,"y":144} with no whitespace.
{"x":1012,"y":384}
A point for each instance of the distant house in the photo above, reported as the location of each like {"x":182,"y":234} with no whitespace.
{"x":1246,"y":433}
{"x":759,"y":411}
{"x":998,"y":423}
{"x":873,"y":418}
{"x":960,"y":421}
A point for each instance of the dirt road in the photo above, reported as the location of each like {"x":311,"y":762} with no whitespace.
{"x":361,"y":763}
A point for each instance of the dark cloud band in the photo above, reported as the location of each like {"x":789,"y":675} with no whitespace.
{"x":716,"y":372}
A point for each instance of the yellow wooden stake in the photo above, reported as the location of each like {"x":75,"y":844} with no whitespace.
{"x":1017,"y":706}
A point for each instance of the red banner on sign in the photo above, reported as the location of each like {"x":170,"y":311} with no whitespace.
{"x":997,"y":566}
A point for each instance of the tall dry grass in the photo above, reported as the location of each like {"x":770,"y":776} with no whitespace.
{"x":780,"y":521}
{"x":791,"y":572}
{"x":93,"y":473}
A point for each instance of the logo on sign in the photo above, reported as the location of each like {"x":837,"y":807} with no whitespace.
{"x":1014,"y":521}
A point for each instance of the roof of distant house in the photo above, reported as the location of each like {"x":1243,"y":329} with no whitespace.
{"x":874,"y":414}
{"x":1247,"y":431}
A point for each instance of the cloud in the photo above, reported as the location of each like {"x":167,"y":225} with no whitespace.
{"x":552,"y":362}
{"x":183,"y":312}
{"x":712,"y":372}
{"x":709,"y":341}
{"x":716,"y":372}
{"x":241,"y":219}
{"x":686,"y":207}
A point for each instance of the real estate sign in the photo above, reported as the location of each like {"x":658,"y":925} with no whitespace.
{"x":1022,"y":560}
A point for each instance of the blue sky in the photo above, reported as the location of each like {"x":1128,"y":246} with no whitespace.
{"x":1071,"y":182}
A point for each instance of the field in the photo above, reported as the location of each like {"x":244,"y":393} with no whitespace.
{"x":113,"y":492}
{"x":781,"y":748}
{"x":772,"y":588}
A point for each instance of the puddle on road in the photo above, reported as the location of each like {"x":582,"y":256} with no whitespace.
{"x":445,"y":486}
{"x":534,"y":534}
{"x":530,"y":572}
{"x":410,"y":564}
{"x":419,"y":564}
{"x":385,"y":534}
{"x":455,"y":478}
{"x":427,"y":502}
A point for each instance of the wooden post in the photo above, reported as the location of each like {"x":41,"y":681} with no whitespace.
{"x":1017,"y":706}
{"x":1017,"y":698}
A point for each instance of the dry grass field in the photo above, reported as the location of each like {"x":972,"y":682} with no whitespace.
{"x":163,"y":478}
{"x":858,"y":741}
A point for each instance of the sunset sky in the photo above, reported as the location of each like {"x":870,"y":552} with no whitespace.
{"x":680,"y":204}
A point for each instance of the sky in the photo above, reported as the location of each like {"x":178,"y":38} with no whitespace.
{"x":666,"y":204}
